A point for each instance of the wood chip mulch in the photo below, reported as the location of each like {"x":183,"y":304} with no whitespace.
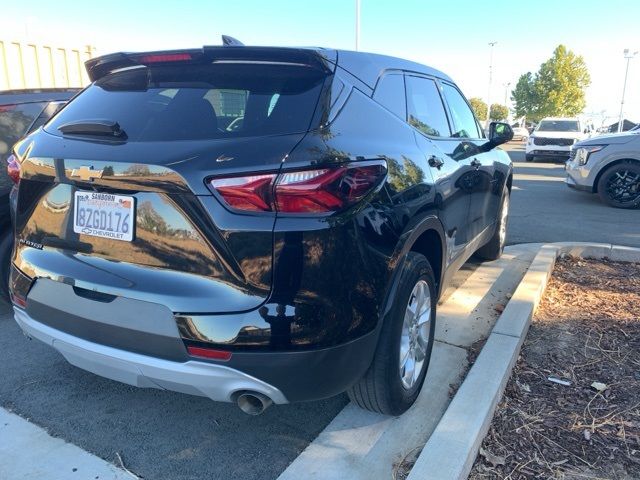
{"x":571,"y":409}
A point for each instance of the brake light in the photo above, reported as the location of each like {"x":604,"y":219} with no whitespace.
{"x":309,"y":191}
{"x":13,"y":168}
{"x":7,"y":108}
{"x":209,"y":353}
{"x":251,"y":193}
{"x":165,"y":57}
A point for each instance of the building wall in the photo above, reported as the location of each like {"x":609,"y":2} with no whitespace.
{"x":31,"y":65}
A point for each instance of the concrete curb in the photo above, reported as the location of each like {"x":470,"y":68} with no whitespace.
{"x":452,"y":448}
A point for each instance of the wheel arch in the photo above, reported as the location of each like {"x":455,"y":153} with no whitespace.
{"x":608,"y":166}
{"x":426,"y":238}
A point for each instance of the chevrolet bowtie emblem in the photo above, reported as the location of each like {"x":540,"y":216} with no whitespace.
{"x":86,"y":173}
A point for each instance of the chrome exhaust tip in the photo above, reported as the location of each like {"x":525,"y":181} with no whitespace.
{"x":253,"y":403}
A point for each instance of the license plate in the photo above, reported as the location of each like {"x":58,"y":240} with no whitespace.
{"x":104,"y":215}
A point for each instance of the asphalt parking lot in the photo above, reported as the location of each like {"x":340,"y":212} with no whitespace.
{"x":544,"y":209}
{"x":168,"y":435}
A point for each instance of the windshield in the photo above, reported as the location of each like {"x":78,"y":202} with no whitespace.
{"x":559,"y":126}
{"x":200,"y":102}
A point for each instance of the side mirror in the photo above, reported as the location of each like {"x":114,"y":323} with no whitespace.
{"x":500,"y":133}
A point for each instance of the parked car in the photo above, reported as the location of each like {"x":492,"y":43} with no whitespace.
{"x":553,"y":138}
{"x":521,"y":133}
{"x":608,"y":165}
{"x":21,"y":112}
{"x":292,"y":258}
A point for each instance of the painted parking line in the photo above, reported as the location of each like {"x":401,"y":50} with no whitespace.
{"x":28,"y":452}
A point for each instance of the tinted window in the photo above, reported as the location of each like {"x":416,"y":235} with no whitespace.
{"x":559,"y":126}
{"x":464,"y":122}
{"x":390,"y":94}
{"x":14,"y":122}
{"x":425,"y":108}
{"x":50,"y":110}
{"x":200,"y":101}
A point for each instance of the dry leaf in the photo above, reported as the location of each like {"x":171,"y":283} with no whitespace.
{"x":494,"y":460}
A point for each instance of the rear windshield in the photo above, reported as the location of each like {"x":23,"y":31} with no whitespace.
{"x":559,"y":126}
{"x":198,"y":102}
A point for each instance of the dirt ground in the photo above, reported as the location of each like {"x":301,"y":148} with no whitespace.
{"x":571,"y":409}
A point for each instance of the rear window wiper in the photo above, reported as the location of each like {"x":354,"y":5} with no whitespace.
{"x":102,"y":128}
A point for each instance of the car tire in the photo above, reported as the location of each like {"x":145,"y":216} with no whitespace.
{"x":388,"y":387}
{"x":528,"y":158}
{"x":493,"y":249}
{"x":5,"y":259}
{"x":619,"y":185}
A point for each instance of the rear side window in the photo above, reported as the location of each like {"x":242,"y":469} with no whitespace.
{"x":464,"y":122}
{"x":390,"y":94}
{"x":15,"y":120}
{"x":50,"y":110}
{"x":425,"y":108}
{"x":199,"y":102}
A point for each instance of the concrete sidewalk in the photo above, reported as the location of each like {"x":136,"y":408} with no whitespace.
{"x":29,"y":452}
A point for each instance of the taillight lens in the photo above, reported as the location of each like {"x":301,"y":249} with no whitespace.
{"x":306,"y":192}
{"x":13,"y":168}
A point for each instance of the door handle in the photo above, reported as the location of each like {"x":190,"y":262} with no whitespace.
{"x":476,"y":163}
{"x":435,"y":162}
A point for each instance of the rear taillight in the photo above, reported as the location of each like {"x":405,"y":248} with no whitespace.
{"x":307,"y":192}
{"x":13,"y":168}
{"x":19,"y":286}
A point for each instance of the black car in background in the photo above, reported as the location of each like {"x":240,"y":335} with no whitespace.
{"x":21,"y":112}
{"x":255,"y":224}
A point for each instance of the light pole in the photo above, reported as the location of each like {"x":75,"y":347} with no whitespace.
{"x":357,"y":25}
{"x":491,"y":45}
{"x":506,"y":89}
{"x":628,"y":55}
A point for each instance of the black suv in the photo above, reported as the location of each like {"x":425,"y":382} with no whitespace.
{"x":21,"y":112}
{"x":254,"y":224}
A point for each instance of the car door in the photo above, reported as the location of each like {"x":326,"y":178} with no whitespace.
{"x":484,"y":180}
{"x":426,"y":113}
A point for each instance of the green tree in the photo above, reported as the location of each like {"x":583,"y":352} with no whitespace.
{"x":561,"y":84}
{"x":498,"y":112}
{"x":479,"y":108}
{"x":557,"y":89}
{"x":523,"y":96}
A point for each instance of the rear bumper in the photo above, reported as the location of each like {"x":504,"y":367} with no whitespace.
{"x":216,"y":381}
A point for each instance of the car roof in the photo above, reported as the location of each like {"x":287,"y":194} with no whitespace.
{"x":369,"y":66}
{"x":12,"y":97}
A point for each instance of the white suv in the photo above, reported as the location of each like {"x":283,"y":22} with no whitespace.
{"x":553,"y":137}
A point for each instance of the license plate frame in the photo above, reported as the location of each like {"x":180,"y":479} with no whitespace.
{"x":104,"y":215}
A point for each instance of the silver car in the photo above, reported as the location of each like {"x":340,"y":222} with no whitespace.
{"x":608,"y":165}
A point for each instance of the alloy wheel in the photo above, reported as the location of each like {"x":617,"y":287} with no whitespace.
{"x":414,"y":338}
{"x":623,"y":186}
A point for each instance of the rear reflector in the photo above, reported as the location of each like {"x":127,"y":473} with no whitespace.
{"x":13,"y":168}
{"x":304,"y":192}
{"x":208,"y":353}
{"x":165,"y":57}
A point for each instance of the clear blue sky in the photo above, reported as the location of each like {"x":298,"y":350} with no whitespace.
{"x":451,"y":36}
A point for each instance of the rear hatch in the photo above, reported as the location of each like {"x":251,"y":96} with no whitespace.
{"x":113,"y":195}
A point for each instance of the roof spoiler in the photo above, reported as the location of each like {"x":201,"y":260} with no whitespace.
{"x":232,"y":50}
